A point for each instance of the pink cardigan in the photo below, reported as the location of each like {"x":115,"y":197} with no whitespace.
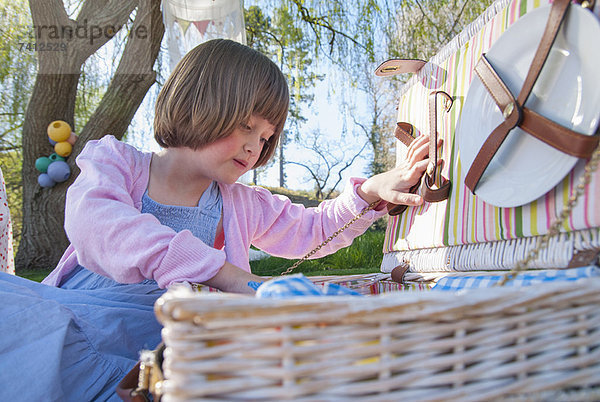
{"x":109,"y":235}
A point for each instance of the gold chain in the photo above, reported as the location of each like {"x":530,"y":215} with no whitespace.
{"x":330,"y":238}
{"x":590,"y":167}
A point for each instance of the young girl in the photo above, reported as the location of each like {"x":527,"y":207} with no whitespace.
{"x":139,"y":222}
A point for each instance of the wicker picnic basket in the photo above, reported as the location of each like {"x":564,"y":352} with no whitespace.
{"x":540,"y":343}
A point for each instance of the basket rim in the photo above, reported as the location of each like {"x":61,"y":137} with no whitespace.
{"x":182,"y":304}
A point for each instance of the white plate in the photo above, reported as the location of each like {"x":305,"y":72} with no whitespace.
{"x":567,"y":92}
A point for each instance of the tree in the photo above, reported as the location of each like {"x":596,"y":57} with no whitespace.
{"x":326,"y":171}
{"x":54,"y":97}
{"x":420,"y":28}
{"x":281,"y":37}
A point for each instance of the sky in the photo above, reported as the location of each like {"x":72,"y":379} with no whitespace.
{"x":324,"y":114}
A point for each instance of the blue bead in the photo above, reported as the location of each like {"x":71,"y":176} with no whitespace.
{"x":45,"y":181}
{"x":59,"y":171}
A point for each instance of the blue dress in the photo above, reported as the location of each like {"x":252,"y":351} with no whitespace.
{"x":77,"y":341}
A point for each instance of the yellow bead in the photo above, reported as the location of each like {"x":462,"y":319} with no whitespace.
{"x":59,"y":131}
{"x":63,"y":148}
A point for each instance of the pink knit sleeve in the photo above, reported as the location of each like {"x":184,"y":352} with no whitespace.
{"x":113,"y":238}
{"x":290,"y":230}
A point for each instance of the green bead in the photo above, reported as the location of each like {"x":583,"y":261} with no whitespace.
{"x":41,"y":164}
{"x":56,"y":157}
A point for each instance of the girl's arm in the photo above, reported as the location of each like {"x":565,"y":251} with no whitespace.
{"x":233,"y":279}
{"x":290,"y":230}
{"x":113,"y":238}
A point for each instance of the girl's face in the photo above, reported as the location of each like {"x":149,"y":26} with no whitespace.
{"x":227,"y":159}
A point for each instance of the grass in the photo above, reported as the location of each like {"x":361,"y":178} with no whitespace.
{"x":362,"y":257}
{"x":37,"y":275}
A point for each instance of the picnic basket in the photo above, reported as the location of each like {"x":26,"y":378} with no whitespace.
{"x":464,"y":232}
{"x":404,"y":342}
{"x":541,"y":343}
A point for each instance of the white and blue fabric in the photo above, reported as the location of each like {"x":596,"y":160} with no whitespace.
{"x":77,"y":341}
{"x":286,"y":287}
{"x":528,"y":278}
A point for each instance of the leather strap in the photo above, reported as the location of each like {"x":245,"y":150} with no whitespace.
{"x":557,"y":136}
{"x":558,"y":11}
{"x":399,"y":66}
{"x":141,"y":383}
{"x":397,"y":274}
{"x":553,"y":134}
{"x":128,"y":385}
{"x":512,"y":111}
{"x":442,"y":191}
{"x":405,"y":133}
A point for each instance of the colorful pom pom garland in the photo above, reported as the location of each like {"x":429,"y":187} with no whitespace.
{"x":54,"y":168}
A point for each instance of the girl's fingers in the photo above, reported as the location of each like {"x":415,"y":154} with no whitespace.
{"x":418,"y":153}
{"x":421,"y":165}
{"x":407,"y":199}
{"x":416,"y":147}
{"x":419,"y":148}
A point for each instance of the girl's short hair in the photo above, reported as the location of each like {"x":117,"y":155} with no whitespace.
{"x":215,"y":87}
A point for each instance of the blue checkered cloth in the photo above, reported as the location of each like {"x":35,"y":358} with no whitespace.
{"x":286,"y":287}
{"x":527,"y":278}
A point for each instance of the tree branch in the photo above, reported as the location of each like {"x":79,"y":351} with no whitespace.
{"x":425,"y":14}
{"x":104,"y":19}
{"x":132,"y":80}
{"x":322,"y":22}
{"x":452,"y":33}
{"x":314,"y":176}
{"x":48,"y":12}
{"x":348,"y":164}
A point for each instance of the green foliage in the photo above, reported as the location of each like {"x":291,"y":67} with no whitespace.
{"x":17,"y":67}
{"x":363,"y":256}
{"x":422,"y":27}
{"x":11,"y":170}
{"x":279,"y":35}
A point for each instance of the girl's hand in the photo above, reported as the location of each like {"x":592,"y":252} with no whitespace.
{"x":394,"y":185}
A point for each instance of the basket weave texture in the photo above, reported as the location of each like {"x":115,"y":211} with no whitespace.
{"x":482,"y":344}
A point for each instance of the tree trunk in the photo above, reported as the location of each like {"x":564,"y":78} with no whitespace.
{"x":43,"y":239}
{"x":282,"y":161}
